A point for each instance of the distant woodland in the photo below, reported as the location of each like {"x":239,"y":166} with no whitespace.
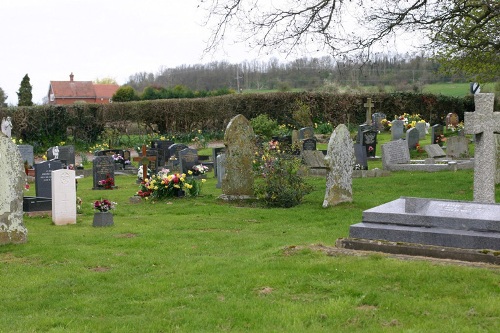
{"x":406,"y":73}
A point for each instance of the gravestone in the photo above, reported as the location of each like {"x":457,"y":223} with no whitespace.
{"x":395,"y":152}
{"x":315,"y":161}
{"x":220,"y":162}
{"x":484,"y":122}
{"x":309,"y":144}
{"x":436,"y":133}
{"x":216,"y":152}
{"x":497,"y":177}
{"x":361,"y":157}
{"x":145,"y":161}
{"x":369,"y":141}
{"x":457,"y":147}
{"x":163,"y":152}
{"x":12,"y":181}
{"x":452,"y":120}
{"x":43,"y":177}
{"x":173,"y":151}
{"x":306,"y":133}
{"x":295,"y":139}
{"x":152,"y":155}
{"x":362,"y":128}
{"x":188,"y":158}
{"x":339,"y":161}
{"x":116,"y":154}
{"x":412,"y":138}
{"x":434,"y":150}
{"x":66,"y":154}
{"x":422,"y":128}
{"x":368,"y":105}
{"x":63,"y":197}
{"x":397,"y":129}
{"x":377,"y":118}
{"x":7,"y":127}
{"x":102,"y":168}
{"x":238,"y":179}
{"x":27,"y":154}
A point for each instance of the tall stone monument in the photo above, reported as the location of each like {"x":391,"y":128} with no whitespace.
{"x":12,"y":181}
{"x":340,"y":162}
{"x":484,"y":123}
{"x":239,"y":140}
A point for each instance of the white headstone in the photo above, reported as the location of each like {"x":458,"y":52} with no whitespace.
{"x":483,"y":123}
{"x":340,"y":162}
{"x":63,"y":197}
{"x":12,"y":181}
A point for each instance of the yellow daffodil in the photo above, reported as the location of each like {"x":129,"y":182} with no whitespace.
{"x":190,"y":172}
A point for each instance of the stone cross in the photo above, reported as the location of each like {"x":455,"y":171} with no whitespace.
{"x":144,"y":161}
{"x":368,"y":105}
{"x":484,"y":123}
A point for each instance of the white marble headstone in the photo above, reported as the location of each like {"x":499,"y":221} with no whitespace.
{"x":63,"y":197}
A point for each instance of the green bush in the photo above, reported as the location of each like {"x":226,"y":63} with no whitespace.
{"x":264,"y":127}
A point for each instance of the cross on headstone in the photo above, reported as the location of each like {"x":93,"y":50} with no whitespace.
{"x":484,"y":123}
{"x":368,"y":105}
{"x":144,"y":161}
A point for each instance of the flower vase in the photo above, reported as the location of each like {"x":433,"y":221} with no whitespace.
{"x":103,"y":219}
{"x":180,"y":193}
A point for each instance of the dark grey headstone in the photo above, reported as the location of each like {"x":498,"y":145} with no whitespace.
{"x":360,"y":155}
{"x":309,"y":144}
{"x":215,"y":152}
{"x":153,"y":165}
{"x":43,"y":177}
{"x":66,"y":154}
{"x":369,"y":140}
{"x":412,"y":138}
{"x":163,"y":152}
{"x":436,"y":132}
{"x":220,"y":161}
{"x":362,"y":128}
{"x":173,"y":150}
{"x":26,"y":154}
{"x":102,"y":168}
{"x":188,"y":158}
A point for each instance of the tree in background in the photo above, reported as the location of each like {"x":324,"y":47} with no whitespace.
{"x":105,"y":80}
{"x":465,"y":29}
{"x":24,"y":94}
{"x":3,"y":98}
{"x":125,"y":94}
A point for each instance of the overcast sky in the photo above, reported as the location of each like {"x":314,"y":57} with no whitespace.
{"x":49,"y":39}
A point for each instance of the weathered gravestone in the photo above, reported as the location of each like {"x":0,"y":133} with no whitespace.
{"x":306,"y":133}
{"x":27,"y":154}
{"x":309,"y":144}
{"x":452,"y":120}
{"x":43,"y":177}
{"x":339,"y":161}
{"x":412,"y":137}
{"x":457,"y":147}
{"x":368,"y":105}
{"x":377,"y":118}
{"x":12,"y":181}
{"x":434,"y":150}
{"x":7,"y":127}
{"x":369,"y":141}
{"x":484,"y":123}
{"x":395,"y":152}
{"x":497,"y":178}
{"x":315,"y":161}
{"x":436,"y":134}
{"x":63,"y":197}
{"x":66,"y":154}
{"x":240,"y":149}
{"x":103,"y":167}
{"x":188,"y":158}
{"x":397,"y":129}
{"x":422,"y":128}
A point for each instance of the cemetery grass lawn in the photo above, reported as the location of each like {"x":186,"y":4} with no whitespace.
{"x":202,"y":265}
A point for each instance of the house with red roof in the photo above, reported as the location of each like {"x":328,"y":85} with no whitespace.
{"x":69,"y":92}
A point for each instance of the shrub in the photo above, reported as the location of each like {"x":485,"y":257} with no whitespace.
{"x":264,"y":127}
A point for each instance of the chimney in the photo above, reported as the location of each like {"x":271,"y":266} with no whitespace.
{"x":71,"y":76}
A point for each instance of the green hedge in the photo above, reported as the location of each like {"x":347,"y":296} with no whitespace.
{"x":48,"y":125}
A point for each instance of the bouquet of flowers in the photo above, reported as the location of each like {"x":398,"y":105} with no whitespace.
{"x":118,"y":158}
{"x":104,"y":205}
{"x":199,"y":169}
{"x":166,"y":185}
{"x":107,"y":183}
